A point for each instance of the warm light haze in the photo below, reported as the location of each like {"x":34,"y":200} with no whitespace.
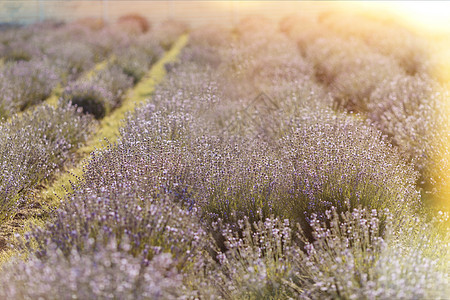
{"x":224,"y":149}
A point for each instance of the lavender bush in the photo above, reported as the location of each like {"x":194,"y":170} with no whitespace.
{"x":106,"y":272}
{"x":75,"y":57}
{"x":259,"y":263}
{"x":90,"y":98}
{"x":411,"y":111}
{"x":134,"y":63}
{"x":350,"y":70}
{"x":135,"y":60}
{"x":32,"y":146}
{"x":343,"y":162}
{"x":131,"y":190}
{"x":101,"y":93}
{"x":365,"y":254}
{"x":115,"y":81}
{"x":383,"y":36}
{"x":256,"y":64}
{"x":23,"y":84}
{"x":17,"y":47}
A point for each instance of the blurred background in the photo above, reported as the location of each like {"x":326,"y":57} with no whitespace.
{"x":192,"y":12}
{"x":434,"y":15}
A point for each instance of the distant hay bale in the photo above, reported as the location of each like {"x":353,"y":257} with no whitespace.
{"x":134,"y":23}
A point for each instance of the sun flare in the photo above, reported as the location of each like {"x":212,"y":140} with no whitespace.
{"x":423,"y":15}
{"x":429,"y":14}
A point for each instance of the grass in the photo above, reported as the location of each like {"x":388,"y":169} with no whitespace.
{"x":21,"y":227}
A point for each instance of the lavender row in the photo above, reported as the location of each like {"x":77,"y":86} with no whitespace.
{"x":38,"y":58}
{"x":384,"y":72}
{"x":96,"y":95}
{"x":99,"y":94}
{"x":355,"y":254}
{"x":50,"y":134}
{"x":26,"y":83}
{"x":106,"y":88}
{"x":32,"y":146}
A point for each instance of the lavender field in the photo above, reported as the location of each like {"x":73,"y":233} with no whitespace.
{"x":297,"y":159}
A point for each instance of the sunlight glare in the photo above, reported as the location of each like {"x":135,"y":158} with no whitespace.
{"x":431,"y":16}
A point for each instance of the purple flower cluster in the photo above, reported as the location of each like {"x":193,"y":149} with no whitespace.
{"x":40,"y":57}
{"x":25,"y":83}
{"x":136,"y":59}
{"x":101,"y":271}
{"x":133,"y":189}
{"x":383,"y":71}
{"x":32,"y":146}
{"x":101,"y":93}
